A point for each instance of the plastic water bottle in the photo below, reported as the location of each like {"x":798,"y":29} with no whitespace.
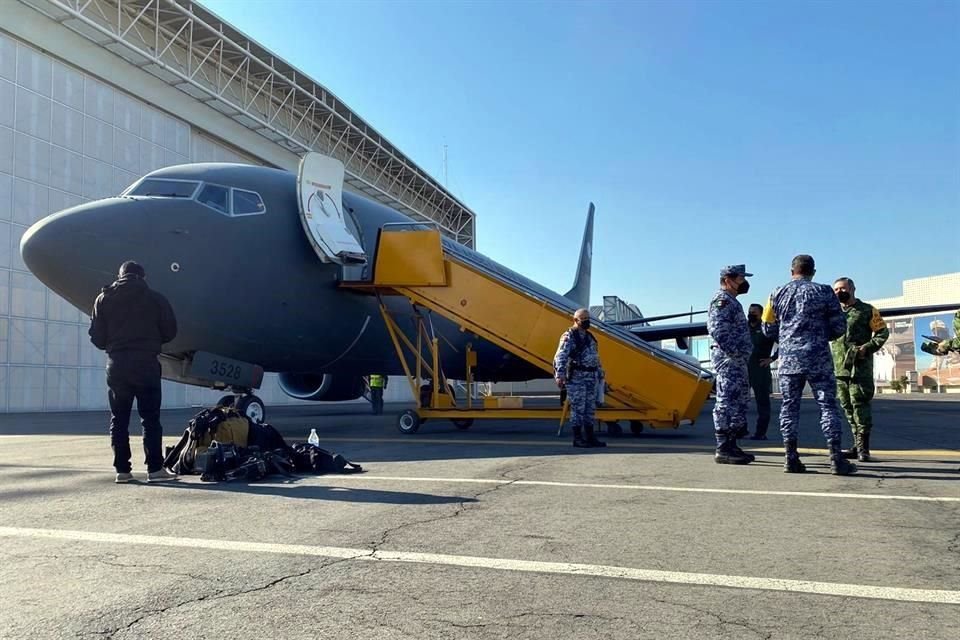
{"x":314,"y":439}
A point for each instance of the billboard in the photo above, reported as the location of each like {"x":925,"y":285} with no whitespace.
{"x":935,"y":370}
{"x":897,"y":356}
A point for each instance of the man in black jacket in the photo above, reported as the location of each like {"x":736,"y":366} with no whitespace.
{"x":131,"y":323}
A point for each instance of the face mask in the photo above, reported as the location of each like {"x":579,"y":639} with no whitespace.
{"x":585,"y":324}
{"x":743,"y":287}
{"x":844,"y":297}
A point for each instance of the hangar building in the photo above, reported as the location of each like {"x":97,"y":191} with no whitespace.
{"x":96,"y":93}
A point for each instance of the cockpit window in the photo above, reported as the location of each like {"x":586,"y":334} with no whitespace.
{"x":164,"y":188}
{"x":246,"y":203}
{"x":215,"y":197}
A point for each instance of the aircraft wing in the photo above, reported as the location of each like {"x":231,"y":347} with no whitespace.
{"x":692,"y":329}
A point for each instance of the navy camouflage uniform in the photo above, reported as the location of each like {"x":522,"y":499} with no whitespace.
{"x":732,"y":346}
{"x":804,"y":316}
{"x":578,"y":361}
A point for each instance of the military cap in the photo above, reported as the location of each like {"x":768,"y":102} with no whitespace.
{"x":735,"y":270}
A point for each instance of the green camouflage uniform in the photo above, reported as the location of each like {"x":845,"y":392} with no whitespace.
{"x":854,"y":372}
{"x":952,"y":344}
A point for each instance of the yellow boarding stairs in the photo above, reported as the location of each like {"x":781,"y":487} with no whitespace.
{"x":645,"y":385}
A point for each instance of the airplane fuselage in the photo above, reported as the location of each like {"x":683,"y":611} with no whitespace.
{"x":248,"y":287}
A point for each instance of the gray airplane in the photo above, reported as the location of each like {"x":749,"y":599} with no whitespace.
{"x":251,"y":259}
{"x":226,"y":244}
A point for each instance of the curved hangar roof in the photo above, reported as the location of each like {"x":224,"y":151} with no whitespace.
{"x":190,"y":48}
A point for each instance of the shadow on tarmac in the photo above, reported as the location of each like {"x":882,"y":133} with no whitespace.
{"x":290,"y":489}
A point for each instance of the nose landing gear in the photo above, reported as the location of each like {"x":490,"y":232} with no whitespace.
{"x":247,"y":404}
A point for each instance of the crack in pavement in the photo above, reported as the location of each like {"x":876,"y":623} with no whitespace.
{"x":461,"y":507}
{"x":218,"y":594}
{"x":954,"y":545}
{"x":511,"y":621}
{"x":765,"y":635}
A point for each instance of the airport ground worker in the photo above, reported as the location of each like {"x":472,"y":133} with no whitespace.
{"x":131,"y":322}
{"x":758,"y":367}
{"x":377,"y":384}
{"x":729,"y":353}
{"x":853,"y":364}
{"x":803,"y":317}
{"x":577,"y":369}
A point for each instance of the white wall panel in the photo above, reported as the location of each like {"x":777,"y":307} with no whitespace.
{"x":27,"y":341}
{"x":97,"y":99}
{"x":61,"y":389}
{"x":6,"y":193}
{"x":6,"y":151}
{"x":97,"y":139}
{"x":60,"y":310}
{"x":63,"y":344}
{"x":31,"y":202}
{"x":151,"y":157}
{"x":8,"y":103}
{"x":28,"y":297}
{"x":126,"y":150}
{"x":13,"y":249}
{"x":67,"y":86}
{"x":67,"y":128}
{"x":60,"y":200}
{"x":25,"y":387}
{"x":126,"y":113}
{"x":33,"y":114}
{"x":4,"y":378}
{"x":92,"y":389}
{"x":97,"y":179}
{"x":31,"y":158}
{"x":6,"y":243}
{"x":66,"y":171}
{"x":8,"y":58}
{"x":34,"y":70}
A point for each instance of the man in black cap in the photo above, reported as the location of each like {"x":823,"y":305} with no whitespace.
{"x":131,"y":322}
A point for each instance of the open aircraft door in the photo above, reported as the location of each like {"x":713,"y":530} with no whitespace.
{"x":319,"y":196}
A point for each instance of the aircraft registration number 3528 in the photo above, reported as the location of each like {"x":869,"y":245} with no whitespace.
{"x":210,"y":366}
{"x":225,"y":370}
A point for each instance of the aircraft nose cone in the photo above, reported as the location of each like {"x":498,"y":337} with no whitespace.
{"x":69,"y":251}
{"x":41,"y":244}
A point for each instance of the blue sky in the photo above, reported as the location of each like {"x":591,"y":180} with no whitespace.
{"x":707,"y":133}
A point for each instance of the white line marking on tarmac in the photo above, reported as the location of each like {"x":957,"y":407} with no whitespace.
{"x":615,"y":444}
{"x":641,"y":487}
{"x":505,"y":564}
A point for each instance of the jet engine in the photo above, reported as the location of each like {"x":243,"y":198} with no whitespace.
{"x":321,"y":387}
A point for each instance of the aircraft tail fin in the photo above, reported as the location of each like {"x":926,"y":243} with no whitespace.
{"x":580,"y":293}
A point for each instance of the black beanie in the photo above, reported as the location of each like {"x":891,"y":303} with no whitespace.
{"x":131,"y":268}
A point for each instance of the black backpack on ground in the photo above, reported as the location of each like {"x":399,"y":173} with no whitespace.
{"x":312,"y":459}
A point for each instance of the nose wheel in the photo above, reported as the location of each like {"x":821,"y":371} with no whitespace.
{"x":249,"y":405}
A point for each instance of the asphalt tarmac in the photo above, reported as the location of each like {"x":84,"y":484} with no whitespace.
{"x":501,"y":531}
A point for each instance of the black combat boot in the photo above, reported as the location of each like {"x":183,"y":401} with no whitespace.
{"x":728,"y":454}
{"x":863,"y":449}
{"x":591,"y":438}
{"x":742,"y":432}
{"x":578,"y":440}
{"x":851,"y":453}
{"x":792,"y":462}
{"x":838,"y":464}
{"x":735,"y":447}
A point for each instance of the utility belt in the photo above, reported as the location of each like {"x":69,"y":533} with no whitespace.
{"x":587,"y":369}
